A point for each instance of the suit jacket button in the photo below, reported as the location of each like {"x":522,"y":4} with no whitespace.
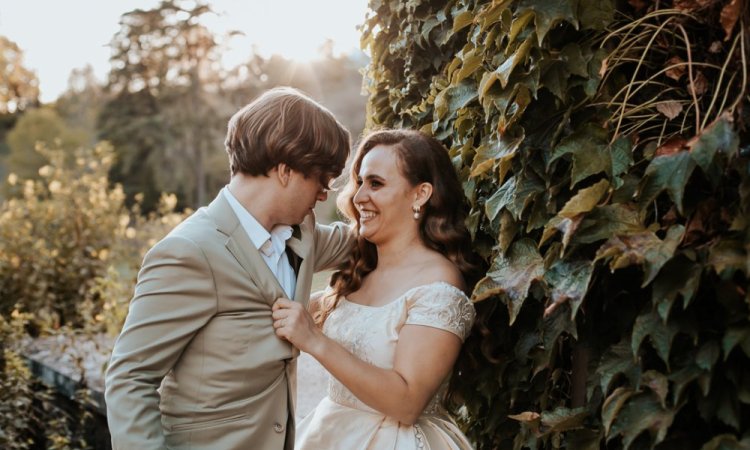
{"x":277,"y":427}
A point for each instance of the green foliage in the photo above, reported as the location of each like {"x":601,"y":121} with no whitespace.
{"x":28,"y":416}
{"x":41,"y":126}
{"x":603,"y":149}
{"x":63,"y":236}
{"x":69,"y":255}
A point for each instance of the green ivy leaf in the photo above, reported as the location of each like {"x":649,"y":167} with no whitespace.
{"x":595,"y":14}
{"x":585,"y":200}
{"x":658,"y":383}
{"x":506,"y":68}
{"x":563,"y":419}
{"x":462,"y":20}
{"x":555,"y":324}
{"x":472,"y":60}
{"x":670,"y":173}
{"x":661,"y":334}
{"x":569,"y":281}
{"x":585,"y":439}
{"x":682,"y":379}
{"x":605,"y":221}
{"x":733,"y":336}
{"x":454,"y":97}
{"x":500,"y":199}
{"x":719,"y":137}
{"x":519,"y":23}
{"x":527,"y":185}
{"x":618,"y":359}
{"x":491,"y":15}
{"x":621,"y":156}
{"x":612,"y":406}
{"x":728,"y":409}
{"x":489,"y":153}
{"x":512,"y":276}
{"x":590,"y":151}
{"x":555,"y":79}
{"x":727,"y":255}
{"x":640,"y":413}
{"x":708,"y":355}
{"x":548,"y":13}
{"x":574,"y":61}
{"x":679,"y":276}
{"x":724,"y":442}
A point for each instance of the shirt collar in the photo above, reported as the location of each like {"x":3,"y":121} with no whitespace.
{"x":258,"y":235}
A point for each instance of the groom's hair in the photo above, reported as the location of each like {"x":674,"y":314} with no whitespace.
{"x":283,"y":125}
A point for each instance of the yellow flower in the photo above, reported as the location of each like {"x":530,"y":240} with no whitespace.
{"x":45,"y":171}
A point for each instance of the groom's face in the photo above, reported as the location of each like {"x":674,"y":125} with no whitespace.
{"x":304,"y":192}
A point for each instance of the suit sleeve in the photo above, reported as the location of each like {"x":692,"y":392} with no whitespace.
{"x":174,"y":297}
{"x":333,"y":244}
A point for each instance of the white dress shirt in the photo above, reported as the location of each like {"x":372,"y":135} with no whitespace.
{"x":272,"y":246}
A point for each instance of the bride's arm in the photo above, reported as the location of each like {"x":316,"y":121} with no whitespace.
{"x":424,"y":357}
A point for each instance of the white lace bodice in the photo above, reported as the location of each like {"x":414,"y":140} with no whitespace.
{"x":371,"y":332}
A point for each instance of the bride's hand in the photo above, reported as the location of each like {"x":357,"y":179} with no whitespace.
{"x":293,"y":323}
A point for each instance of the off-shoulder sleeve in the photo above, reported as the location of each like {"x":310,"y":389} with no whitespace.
{"x":443,"y":306}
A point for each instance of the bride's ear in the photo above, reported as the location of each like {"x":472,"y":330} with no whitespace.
{"x":422,"y":194}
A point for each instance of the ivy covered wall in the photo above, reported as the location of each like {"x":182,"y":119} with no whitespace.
{"x":603,"y":148}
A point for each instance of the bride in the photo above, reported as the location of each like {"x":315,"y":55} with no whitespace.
{"x":391,"y":326}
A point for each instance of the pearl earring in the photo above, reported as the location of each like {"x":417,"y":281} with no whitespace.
{"x":416,"y":209}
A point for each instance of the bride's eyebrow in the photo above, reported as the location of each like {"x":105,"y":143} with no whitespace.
{"x":370,"y":176}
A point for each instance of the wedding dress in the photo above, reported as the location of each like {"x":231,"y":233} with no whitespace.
{"x":343,"y":422}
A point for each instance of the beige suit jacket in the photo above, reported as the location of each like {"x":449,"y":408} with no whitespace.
{"x":198,"y":364}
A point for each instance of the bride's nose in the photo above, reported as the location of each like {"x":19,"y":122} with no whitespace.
{"x":360,"y":196}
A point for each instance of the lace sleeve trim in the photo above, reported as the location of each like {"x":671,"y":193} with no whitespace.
{"x":443,"y":306}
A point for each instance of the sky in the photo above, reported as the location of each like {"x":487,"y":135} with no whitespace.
{"x":59,"y":36}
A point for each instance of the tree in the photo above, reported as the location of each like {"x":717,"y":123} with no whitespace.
{"x":40,"y":126}
{"x":19,"y":87}
{"x":166,"y":55}
{"x":603,"y":150}
{"x":80,"y":105}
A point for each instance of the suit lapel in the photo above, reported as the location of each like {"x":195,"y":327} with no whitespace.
{"x":301,"y":244}
{"x":239,"y":245}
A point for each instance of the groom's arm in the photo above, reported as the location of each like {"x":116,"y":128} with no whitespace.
{"x":175,"y":296}
{"x":333,"y":244}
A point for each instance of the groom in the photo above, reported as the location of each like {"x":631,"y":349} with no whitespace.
{"x":198,"y":364}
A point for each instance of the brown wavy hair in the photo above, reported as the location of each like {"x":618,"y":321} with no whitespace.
{"x":422,"y":159}
{"x":283,"y":125}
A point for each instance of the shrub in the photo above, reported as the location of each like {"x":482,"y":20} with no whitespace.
{"x":69,"y":247}
{"x":69,"y":255}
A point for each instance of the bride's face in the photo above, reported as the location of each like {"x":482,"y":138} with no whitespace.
{"x":384,"y":197}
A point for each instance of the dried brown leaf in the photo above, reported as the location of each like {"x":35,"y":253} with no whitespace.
{"x":672,"y":146}
{"x":699,"y":84}
{"x":603,"y":68}
{"x":693,"y":5}
{"x":670,"y":108}
{"x":638,"y":5}
{"x":730,"y":13}
{"x":678,"y":70}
